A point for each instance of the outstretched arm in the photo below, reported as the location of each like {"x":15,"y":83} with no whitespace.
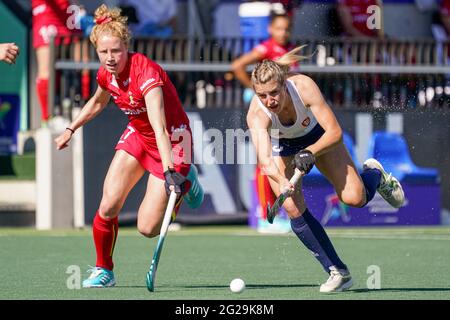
{"x":263,"y":146}
{"x":240,"y":64}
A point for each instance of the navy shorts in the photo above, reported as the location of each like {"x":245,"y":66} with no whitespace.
{"x":288,"y":147}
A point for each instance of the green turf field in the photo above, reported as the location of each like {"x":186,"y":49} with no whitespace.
{"x":200,"y":262}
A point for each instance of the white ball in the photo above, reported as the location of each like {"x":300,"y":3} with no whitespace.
{"x":237,"y":285}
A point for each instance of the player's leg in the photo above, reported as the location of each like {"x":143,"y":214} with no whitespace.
{"x":81,"y":54}
{"x":151,"y":211}
{"x":354,"y":189}
{"x":338,"y":167}
{"x":43,"y":65}
{"x":389,"y":187}
{"x":310,"y":232}
{"x":123,"y":173}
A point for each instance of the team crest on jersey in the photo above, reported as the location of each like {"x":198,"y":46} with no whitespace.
{"x":306,"y":122}
{"x":130,"y":96}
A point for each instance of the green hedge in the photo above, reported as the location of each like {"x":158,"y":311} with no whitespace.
{"x":18,"y":167}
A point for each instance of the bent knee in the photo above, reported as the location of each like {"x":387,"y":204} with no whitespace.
{"x":148,"y":231}
{"x":354,"y":198}
{"x":293,"y":210}
{"x":109,"y":209}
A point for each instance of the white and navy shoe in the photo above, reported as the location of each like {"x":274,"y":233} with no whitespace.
{"x":390,"y":188}
{"x":339,"y":280}
{"x":99,"y":278}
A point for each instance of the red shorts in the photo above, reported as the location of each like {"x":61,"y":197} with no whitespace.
{"x":44,"y":28}
{"x":148,"y":157}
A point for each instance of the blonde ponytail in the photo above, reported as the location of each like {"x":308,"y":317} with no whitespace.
{"x":268,"y":70}
{"x":290,"y":58}
{"x":111,"y":22}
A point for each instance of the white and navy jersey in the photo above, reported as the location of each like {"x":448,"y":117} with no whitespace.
{"x":304,"y":124}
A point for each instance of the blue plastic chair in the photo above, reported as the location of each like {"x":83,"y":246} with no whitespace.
{"x":391,"y":149}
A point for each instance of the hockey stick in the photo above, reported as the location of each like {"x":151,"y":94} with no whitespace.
{"x":272,"y":212}
{"x":162,"y":235}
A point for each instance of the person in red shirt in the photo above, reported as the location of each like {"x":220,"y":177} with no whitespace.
{"x":445,"y":20}
{"x":157,"y":139}
{"x":353,"y":17}
{"x":275,"y":47}
{"x":50,"y":19}
{"x":445,"y":15}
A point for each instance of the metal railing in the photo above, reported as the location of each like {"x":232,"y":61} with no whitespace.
{"x":352,"y":73}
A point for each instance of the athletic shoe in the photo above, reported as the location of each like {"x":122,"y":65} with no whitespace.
{"x":339,"y":280}
{"x":390,"y":188}
{"x":99,"y":278}
{"x":194,"y":197}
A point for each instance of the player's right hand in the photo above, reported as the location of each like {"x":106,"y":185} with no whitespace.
{"x":62,"y":141}
{"x":9,"y":52}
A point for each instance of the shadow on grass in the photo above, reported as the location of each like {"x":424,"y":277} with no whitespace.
{"x":256,"y":286}
{"x":248,"y":286}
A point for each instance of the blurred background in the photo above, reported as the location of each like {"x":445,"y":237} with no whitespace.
{"x":384,"y":70}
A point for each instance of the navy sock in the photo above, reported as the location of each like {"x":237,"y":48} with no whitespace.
{"x":371,"y":179}
{"x":314,"y":237}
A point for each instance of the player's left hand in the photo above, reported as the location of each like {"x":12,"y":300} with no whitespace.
{"x":174,"y":180}
{"x":304,"y":161}
{"x":286,"y":187}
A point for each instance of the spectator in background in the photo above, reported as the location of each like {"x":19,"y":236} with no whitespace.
{"x":155,"y":18}
{"x":9,"y":52}
{"x":440,"y":28}
{"x":445,"y":15}
{"x":353,"y":17}
{"x":276,"y":46}
{"x":50,"y":19}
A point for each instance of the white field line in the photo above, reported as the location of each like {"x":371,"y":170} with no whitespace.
{"x":381,"y":236}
